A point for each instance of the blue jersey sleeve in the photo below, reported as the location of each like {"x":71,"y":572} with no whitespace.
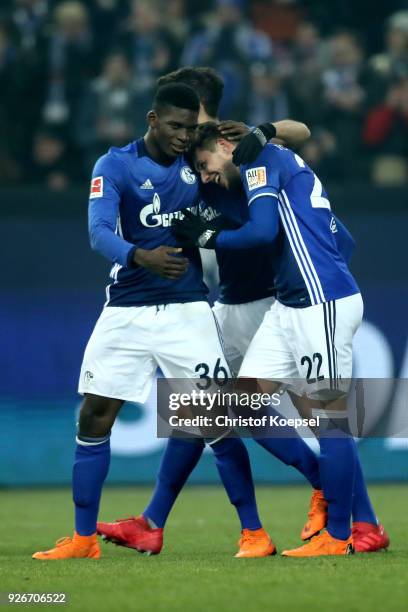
{"x":264,"y":177}
{"x":103,"y":211}
{"x":261,"y":228}
{"x":262,"y":182}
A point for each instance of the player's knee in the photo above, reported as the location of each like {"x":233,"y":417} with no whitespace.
{"x":97,"y":416}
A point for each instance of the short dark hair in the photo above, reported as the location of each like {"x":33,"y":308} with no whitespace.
{"x":207,"y":82}
{"x":176,"y":94}
{"x":205,"y":136}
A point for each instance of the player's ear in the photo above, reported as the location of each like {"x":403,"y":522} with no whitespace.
{"x":225,"y":145}
{"x":152,"y":118}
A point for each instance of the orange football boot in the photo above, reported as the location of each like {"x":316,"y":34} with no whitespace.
{"x":78,"y":547}
{"x":317,"y":515}
{"x":322,"y":544}
{"x":255,"y":543}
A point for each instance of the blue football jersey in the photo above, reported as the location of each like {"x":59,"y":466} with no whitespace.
{"x":246,"y":275}
{"x":310,"y":267}
{"x":132,"y":202}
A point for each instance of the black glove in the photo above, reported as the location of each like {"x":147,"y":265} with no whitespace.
{"x":194,"y":231}
{"x":251,"y":145}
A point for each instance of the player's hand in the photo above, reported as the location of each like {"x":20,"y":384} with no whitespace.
{"x":163,"y":261}
{"x":194,"y":231}
{"x":252,"y":145}
{"x":233,"y":130}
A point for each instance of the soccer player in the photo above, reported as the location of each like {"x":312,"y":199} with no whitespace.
{"x":308,"y":331}
{"x":156,"y":313}
{"x":246,"y":294}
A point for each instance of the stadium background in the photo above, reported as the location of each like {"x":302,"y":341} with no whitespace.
{"x":76,"y":77}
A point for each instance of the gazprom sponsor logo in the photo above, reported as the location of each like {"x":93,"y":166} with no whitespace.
{"x":150,"y":215}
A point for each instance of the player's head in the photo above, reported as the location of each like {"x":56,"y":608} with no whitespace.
{"x":206,"y":82}
{"x":173,"y":118}
{"x":212,"y":156}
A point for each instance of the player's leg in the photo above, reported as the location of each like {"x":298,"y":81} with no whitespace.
{"x":92,"y":459}
{"x":239,"y":324}
{"x":199,"y":352}
{"x":178,"y":461}
{"x":321,"y":338}
{"x":115,"y":369}
{"x":368,"y":534}
{"x":267,"y":353}
{"x":144,"y":533}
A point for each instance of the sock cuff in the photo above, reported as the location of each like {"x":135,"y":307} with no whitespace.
{"x":212,"y":441}
{"x":85,"y":441}
{"x":329,"y":414}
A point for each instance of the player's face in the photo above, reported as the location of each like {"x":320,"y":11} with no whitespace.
{"x":217,"y":167}
{"x":173,"y":129}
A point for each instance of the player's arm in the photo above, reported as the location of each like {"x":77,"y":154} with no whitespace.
{"x":262,"y":184}
{"x":291,"y":134}
{"x":261,"y":228}
{"x":103,"y":217}
{"x":103,"y":212}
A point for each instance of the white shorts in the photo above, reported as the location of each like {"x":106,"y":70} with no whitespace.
{"x":238,"y":324}
{"x":309,"y":349}
{"x":128,"y":344}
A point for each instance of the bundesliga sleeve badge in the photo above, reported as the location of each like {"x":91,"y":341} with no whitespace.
{"x":256,"y":177}
{"x":96,"y":187}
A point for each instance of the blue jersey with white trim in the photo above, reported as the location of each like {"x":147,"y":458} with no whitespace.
{"x":132,"y":202}
{"x":310,"y":268}
{"x":245,"y":275}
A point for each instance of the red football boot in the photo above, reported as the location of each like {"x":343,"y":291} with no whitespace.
{"x":369,"y":538}
{"x":133,"y":532}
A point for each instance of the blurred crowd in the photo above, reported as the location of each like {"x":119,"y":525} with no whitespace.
{"x":77,"y":77}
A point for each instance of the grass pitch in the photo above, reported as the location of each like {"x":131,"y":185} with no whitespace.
{"x":196,"y":569}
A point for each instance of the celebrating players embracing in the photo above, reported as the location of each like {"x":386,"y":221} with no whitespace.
{"x":156,"y":313}
{"x":246,"y":294}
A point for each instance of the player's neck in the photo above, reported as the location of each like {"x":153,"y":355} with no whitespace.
{"x":155,"y":151}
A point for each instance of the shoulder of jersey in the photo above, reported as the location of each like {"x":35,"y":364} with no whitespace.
{"x":269,"y":152}
{"x":275,"y":150}
{"x":121,"y":152}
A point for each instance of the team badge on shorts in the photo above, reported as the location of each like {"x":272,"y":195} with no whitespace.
{"x":88,"y":376}
{"x":256,"y":177}
{"x":96,"y":187}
